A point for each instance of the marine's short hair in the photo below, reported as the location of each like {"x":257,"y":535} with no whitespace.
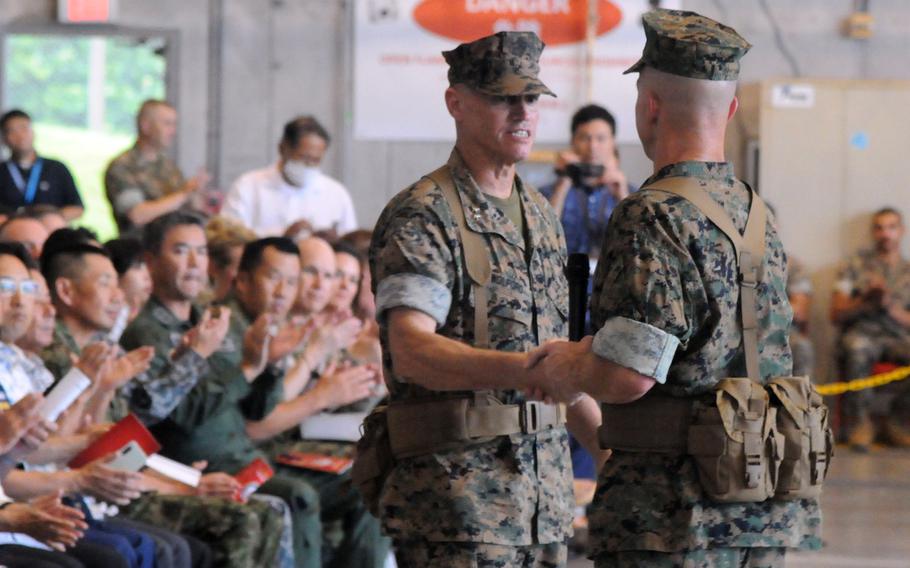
{"x":590,"y":113}
{"x":255,"y":250}
{"x":154,"y":233}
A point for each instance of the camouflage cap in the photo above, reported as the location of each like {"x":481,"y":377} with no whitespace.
{"x":505,"y":63}
{"x":689,"y":44}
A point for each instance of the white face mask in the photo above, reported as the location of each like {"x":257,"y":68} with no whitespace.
{"x":299,"y":174}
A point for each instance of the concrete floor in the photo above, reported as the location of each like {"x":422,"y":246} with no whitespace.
{"x":866,"y":508}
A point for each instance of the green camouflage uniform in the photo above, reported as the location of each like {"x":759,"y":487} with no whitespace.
{"x":665,"y":265}
{"x":131,"y":180}
{"x":58,"y":356}
{"x":872,"y":335}
{"x":666,"y":303}
{"x":515,"y":490}
{"x":240,"y":535}
{"x":175,"y":511}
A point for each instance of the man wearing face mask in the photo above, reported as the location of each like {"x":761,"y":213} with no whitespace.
{"x":294,"y":190}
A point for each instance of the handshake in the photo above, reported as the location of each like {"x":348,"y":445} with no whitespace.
{"x":555,"y":370}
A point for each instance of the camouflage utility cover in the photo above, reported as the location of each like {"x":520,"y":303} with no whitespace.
{"x":515,"y":490}
{"x":664,"y":264}
{"x":691,"y":45}
{"x":502,"y":64}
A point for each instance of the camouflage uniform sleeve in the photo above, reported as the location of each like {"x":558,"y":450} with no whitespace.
{"x":123,"y":188}
{"x":213,"y":393}
{"x":413,"y":264}
{"x":154,"y":394}
{"x":848,"y":278}
{"x":639,"y":299}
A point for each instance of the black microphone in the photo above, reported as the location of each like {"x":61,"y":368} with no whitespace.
{"x":578,"y":270}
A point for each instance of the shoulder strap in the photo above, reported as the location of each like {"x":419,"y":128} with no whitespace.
{"x":477,"y":259}
{"x":749,"y":248}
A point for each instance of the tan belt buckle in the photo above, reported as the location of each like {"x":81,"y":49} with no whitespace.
{"x":531,"y":416}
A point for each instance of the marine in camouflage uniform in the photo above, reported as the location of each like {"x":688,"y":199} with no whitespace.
{"x":872,"y":332}
{"x":131,"y":179}
{"x":508,"y":501}
{"x":245,"y":547}
{"x":666,"y":303}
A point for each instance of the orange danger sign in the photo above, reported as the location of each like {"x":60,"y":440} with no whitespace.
{"x":555,"y":21}
{"x":85,"y":11}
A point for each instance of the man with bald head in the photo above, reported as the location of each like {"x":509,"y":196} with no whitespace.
{"x":666,"y":303}
{"x":317,"y":277}
{"x":144,"y":182}
{"x":29,"y":231}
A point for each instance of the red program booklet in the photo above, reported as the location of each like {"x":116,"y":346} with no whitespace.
{"x":317,"y":462}
{"x":251,"y":478}
{"x":129,"y":431}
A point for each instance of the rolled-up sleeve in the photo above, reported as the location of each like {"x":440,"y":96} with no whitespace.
{"x":414,"y":291}
{"x":413,"y":266}
{"x":638,"y":346}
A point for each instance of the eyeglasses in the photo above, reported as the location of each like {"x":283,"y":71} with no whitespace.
{"x":8,"y":286}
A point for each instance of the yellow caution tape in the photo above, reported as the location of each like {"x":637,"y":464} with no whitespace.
{"x":898,"y":374}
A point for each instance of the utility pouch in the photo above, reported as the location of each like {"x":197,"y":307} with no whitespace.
{"x":735,"y":443}
{"x":802,"y":419}
{"x":374,"y":459}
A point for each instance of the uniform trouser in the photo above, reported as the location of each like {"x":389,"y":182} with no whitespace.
{"x":18,"y":556}
{"x":303,"y":500}
{"x":351,"y":536}
{"x":92,"y":554}
{"x":348,"y":536}
{"x":713,"y":558}
{"x":240,"y":536}
{"x":171,"y":549}
{"x":137,"y":548}
{"x":859,"y":351}
{"x":423,"y":554}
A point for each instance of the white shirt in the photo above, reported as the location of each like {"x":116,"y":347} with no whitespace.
{"x":263,"y":201}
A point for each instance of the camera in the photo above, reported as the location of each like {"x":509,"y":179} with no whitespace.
{"x":579,"y":172}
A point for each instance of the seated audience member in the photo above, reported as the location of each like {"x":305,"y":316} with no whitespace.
{"x":871,"y":302}
{"x":236,"y":385}
{"x":26,"y":230}
{"x":207,"y":422}
{"x":276,"y":198}
{"x":254,"y":529}
{"x":133,"y":274}
{"x":29,"y":179}
{"x":266,"y":285}
{"x":799,"y":291}
{"x":584,"y":202}
{"x":365,"y":302}
{"x":349,"y":278}
{"x":226,"y":239}
{"x":143,"y":182}
{"x":50,"y":216}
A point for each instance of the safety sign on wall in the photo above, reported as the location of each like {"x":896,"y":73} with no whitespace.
{"x":400,"y":74}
